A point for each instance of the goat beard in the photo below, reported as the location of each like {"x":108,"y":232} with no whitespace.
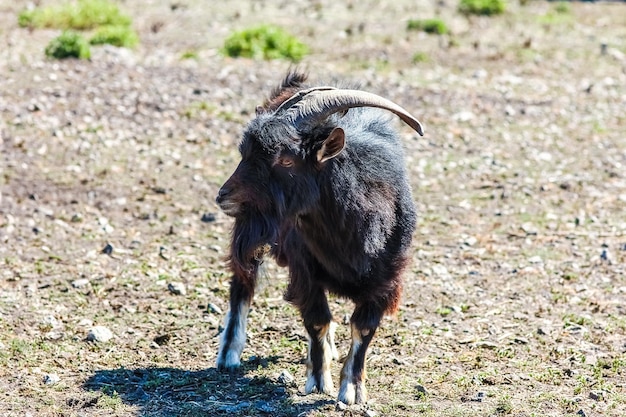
{"x":252,"y":238}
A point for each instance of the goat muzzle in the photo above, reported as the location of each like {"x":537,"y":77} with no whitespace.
{"x":225,"y":200}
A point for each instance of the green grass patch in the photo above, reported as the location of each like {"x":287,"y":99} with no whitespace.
{"x":78,"y":15}
{"x":482,"y":7}
{"x":434,"y":26}
{"x":189,"y":55}
{"x":444,"y":311}
{"x":560,"y":13}
{"x":68,"y":45}
{"x":420,"y":57}
{"x":116,"y":35}
{"x":264,"y":42}
{"x":562,"y":7}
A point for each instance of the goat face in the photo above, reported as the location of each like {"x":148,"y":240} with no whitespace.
{"x":277,"y":171}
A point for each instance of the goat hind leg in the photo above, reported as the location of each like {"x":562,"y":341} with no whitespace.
{"x":352,"y":388}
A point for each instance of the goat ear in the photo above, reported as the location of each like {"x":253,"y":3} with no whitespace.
{"x":332,"y":145}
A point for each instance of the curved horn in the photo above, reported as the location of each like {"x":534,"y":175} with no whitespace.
{"x":319,"y":104}
{"x":299,"y":96}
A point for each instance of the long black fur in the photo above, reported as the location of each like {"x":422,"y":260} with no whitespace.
{"x":343,"y":226}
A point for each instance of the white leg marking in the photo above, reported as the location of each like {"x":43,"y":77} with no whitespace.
{"x":331,"y":341}
{"x":326,"y":380}
{"x":229,"y":355}
{"x":351,"y":391}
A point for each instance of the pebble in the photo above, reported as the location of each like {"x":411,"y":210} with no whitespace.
{"x":286,"y":378}
{"x":596,"y":396}
{"x":479,"y":397}
{"x":177,"y":288}
{"x":463,"y":116}
{"x":80,"y":283}
{"x":85,"y":323}
{"x":212,"y":308}
{"x":99,"y":334}
{"x":341,"y":406}
{"x":51,"y":321}
{"x":208,"y":217}
{"x":486,"y":344}
{"x":53,"y":336}
{"x":371,"y":413}
{"x":108,"y":249}
{"x":51,"y":379}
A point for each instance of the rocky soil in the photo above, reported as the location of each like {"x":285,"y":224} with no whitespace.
{"x":112,"y":280}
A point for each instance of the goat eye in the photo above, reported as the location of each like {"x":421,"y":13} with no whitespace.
{"x":285,"y":162}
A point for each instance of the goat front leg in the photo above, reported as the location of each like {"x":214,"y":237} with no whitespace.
{"x":233,"y":337}
{"x":364,"y":323}
{"x":317,"y":321}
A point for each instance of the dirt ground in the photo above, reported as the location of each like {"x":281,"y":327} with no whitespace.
{"x":514,"y":304}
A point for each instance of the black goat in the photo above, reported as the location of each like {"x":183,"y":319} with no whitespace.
{"x":321,"y":186}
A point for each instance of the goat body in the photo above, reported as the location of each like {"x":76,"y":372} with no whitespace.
{"x":322,"y":188}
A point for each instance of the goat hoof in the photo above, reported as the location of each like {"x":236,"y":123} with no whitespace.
{"x":228,"y":362}
{"x":352,"y":393}
{"x":227,"y":369}
{"x":325,"y":384}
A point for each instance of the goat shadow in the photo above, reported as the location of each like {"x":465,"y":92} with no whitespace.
{"x":177,"y":392}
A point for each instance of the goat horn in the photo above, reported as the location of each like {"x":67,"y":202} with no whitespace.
{"x":321,"y":103}
{"x":299,"y":96}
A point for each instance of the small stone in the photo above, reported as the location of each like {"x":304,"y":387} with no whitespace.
{"x":212,"y":308}
{"x":509,"y":110}
{"x":51,"y":379}
{"x":480,"y":74}
{"x":421,"y":391}
{"x":53,"y":336}
{"x":80,"y":283}
{"x":581,"y":413}
{"x":371,"y":413}
{"x":99,"y":334}
{"x":596,"y":396}
{"x":286,"y":378}
{"x":162,"y":339}
{"x":208,"y":217}
{"x":341,"y":406}
{"x":486,"y":344}
{"x":463,"y":116}
{"x":108,"y":249}
{"x":51,"y":322}
{"x":479,"y":397}
{"x":85,"y":323}
{"x":177,"y":288}
{"x":529,"y":228}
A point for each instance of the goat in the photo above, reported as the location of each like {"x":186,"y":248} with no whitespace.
{"x":322,"y":188}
